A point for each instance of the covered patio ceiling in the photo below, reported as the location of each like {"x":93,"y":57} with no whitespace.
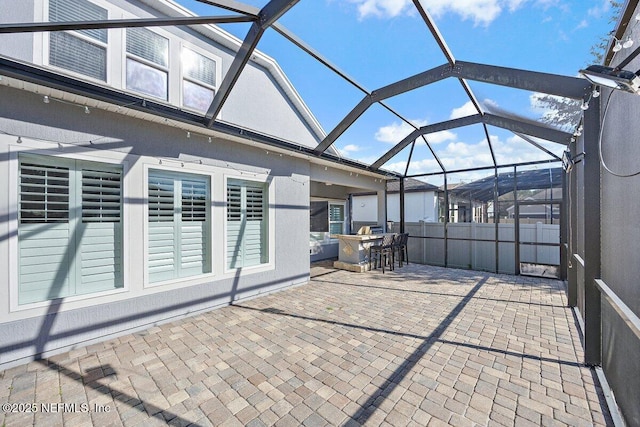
{"x":458,"y":73}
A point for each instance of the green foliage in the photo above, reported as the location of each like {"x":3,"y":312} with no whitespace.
{"x":565,"y":113}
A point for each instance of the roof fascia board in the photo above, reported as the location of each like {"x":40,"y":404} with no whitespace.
{"x":621,"y":27}
{"x":551,"y":84}
{"x":28,"y":73}
{"x":32,"y":27}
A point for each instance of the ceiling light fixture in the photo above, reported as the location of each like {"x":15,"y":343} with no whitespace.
{"x":627,"y":43}
{"x":45,"y":99}
{"x":86,"y":110}
{"x":612,"y":77}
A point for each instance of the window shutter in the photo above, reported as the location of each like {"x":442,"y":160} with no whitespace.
{"x":193,"y":247}
{"x":254,"y":236}
{"x":179,"y":243}
{"x":162,"y":238}
{"x":234,"y":225}
{"x":246,"y":224}
{"x":100,"y":240}
{"x":43,"y":233}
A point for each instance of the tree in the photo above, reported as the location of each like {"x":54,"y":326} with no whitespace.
{"x":565,"y":113}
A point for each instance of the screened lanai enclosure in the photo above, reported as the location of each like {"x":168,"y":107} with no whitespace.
{"x":506,"y":223}
{"x":526,"y":195}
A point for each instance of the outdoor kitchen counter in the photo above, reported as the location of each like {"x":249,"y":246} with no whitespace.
{"x":353,"y":251}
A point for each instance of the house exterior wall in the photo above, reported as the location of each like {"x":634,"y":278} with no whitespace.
{"x":139,"y":146}
{"x":418,"y":206}
{"x":262,"y":80}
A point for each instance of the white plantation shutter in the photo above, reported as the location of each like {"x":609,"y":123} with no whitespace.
{"x":179,"y":243}
{"x":43,"y":232}
{"x":194,"y":227}
{"x":162,"y":236}
{"x":246,"y":224}
{"x":100,"y":246}
{"x":234,"y":225}
{"x":70,"y":228}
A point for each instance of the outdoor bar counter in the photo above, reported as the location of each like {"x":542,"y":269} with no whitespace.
{"x":353,"y":251}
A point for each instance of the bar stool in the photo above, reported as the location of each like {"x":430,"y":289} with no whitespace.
{"x":382,"y":253}
{"x":400,"y":247}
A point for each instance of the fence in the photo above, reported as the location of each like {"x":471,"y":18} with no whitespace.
{"x":473,"y":245}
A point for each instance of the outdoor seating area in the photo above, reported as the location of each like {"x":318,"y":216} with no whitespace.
{"x":390,"y":249}
{"x":442,"y":347}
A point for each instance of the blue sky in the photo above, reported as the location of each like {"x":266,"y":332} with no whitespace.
{"x":378,"y":42}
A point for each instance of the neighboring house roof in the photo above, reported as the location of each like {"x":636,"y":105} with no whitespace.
{"x":410,"y":186}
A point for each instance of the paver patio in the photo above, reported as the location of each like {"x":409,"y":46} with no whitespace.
{"x":418,"y":346}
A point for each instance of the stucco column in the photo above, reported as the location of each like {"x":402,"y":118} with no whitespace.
{"x":382,"y":207}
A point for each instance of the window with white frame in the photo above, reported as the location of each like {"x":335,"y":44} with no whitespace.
{"x":246,"y":223}
{"x":72,"y":49}
{"x":326,"y":219}
{"x":198,"y":80}
{"x":336,"y":218}
{"x":147,"y":63}
{"x":69,"y":228}
{"x":179,"y":224}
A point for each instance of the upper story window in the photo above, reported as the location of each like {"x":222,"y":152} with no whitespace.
{"x":198,"y":80}
{"x":140,"y":60}
{"x":70,"y":50}
{"x":147,"y":62}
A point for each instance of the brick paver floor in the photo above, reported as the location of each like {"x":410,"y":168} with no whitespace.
{"x":417,"y":346}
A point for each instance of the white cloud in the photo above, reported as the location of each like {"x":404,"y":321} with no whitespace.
{"x":468,"y":109}
{"x":348,"y":149}
{"x":351,"y":148}
{"x":442,"y":136}
{"x":464,"y":155}
{"x":481,"y":12}
{"x":599,"y":11}
{"x":583,"y":24}
{"x":395,"y":132}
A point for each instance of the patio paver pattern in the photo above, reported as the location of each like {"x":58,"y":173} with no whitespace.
{"x":417,"y":346}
